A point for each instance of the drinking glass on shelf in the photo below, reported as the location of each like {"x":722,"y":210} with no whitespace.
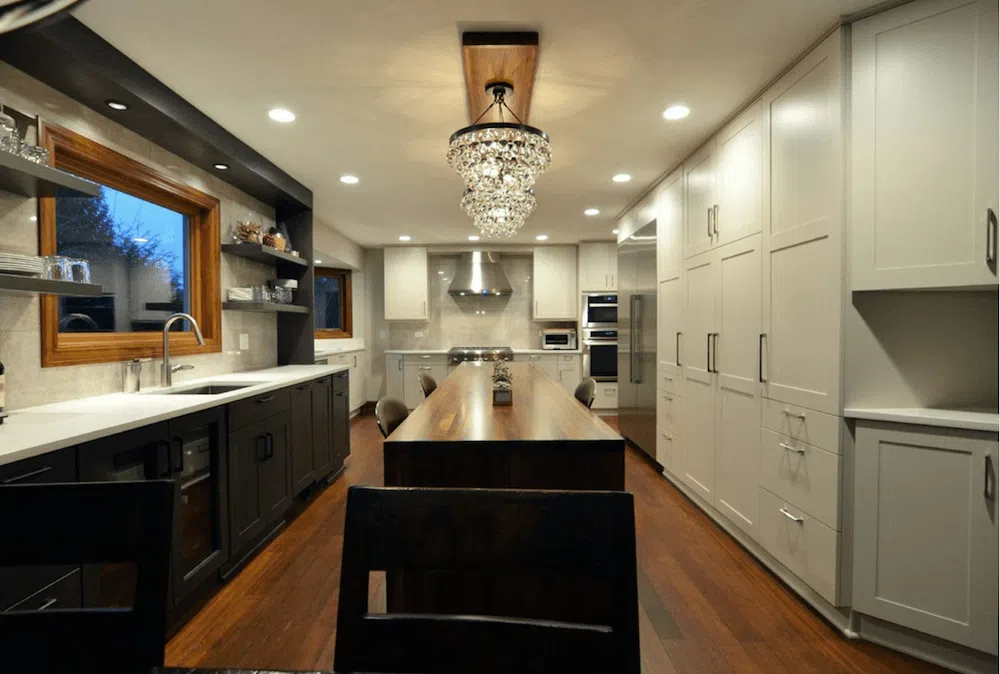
{"x":36,"y":154}
{"x":58,"y":268}
{"x":260,"y":294}
{"x":10,"y":140}
{"x":79,"y":271}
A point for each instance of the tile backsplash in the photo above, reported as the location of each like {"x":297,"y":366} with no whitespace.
{"x":477,"y":321}
{"x":28,"y":383}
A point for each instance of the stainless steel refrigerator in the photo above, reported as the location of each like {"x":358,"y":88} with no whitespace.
{"x":637,"y":338}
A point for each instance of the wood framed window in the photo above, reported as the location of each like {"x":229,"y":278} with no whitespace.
{"x":333,"y":312}
{"x":152,"y":244}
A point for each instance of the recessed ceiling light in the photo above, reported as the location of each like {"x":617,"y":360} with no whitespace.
{"x":614,"y":231}
{"x":318,"y":261}
{"x":139,"y":239}
{"x":621,"y":177}
{"x":404,"y":238}
{"x":281,"y":115}
{"x":33,"y":218}
{"x":221,"y":167}
{"x":675,"y":112}
{"x":542,"y":237}
{"x":591,"y":212}
{"x":116,"y":105}
{"x":473,"y":237}
{"x":440,"y":272}
{"x":349,"y":179}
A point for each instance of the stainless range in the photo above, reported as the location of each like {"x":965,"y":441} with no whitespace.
{"x":461,"y":354}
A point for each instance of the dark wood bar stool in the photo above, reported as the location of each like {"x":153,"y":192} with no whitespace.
{"x":513,"y":581}
{"x":89,"y":523}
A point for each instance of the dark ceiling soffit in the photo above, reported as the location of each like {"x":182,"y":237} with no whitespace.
{"x":70,"y":57}
{"x":499,"y":37}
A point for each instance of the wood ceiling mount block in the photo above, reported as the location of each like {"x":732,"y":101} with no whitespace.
{"x":499,"y":57}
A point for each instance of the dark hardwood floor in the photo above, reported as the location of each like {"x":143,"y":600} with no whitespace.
{"x":705,"y":604}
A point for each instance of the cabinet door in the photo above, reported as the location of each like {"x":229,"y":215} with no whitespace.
{"x":406,"y":284}
{"x":569,"y":374}
{"x":803,"y":268}
{"x":341,"y":428}
{"x":669,"y":316}
{"x":301,"y":450}
{"x":612,"y":266}
{"x":413,"y":395}
{"x":554,"y":281}
{"x":737,"y":349}
{"x":275,"y":476}
{"x":924,"y":146}
{"x":926,"y":531}
{"x":594,"y":272}
{"x":701,"y":289}
{"x":356,"y":361}
{"x":670,"y":228}
{"x":699,"y":200}
{"x":738,"y":192}
{"x":247,"y":448}
{"x":394,"y":376}
{"x":322,"y":427}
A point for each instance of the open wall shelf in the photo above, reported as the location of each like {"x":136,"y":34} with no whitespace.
{"x":261,"y":253}
{"x":265,"y":307}
{"x":29,"y":284}
{"x":20,"y":176}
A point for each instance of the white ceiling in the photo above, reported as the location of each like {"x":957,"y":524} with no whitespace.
{"x":377,"y":86}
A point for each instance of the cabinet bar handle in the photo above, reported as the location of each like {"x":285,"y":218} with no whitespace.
{"x":425,"y":367}
{"x":709,"y":220}
{"x":991,"y":236}
{"x":789,"y":448}
{"x":708,"y":352}
{"x":49,"y":603}
{"x":760,"y":359}
{"x":606,"y":280}
{"x":25,"y":476}
{"x":715,"y":219}
{"x":797,"y":520}
{"x":400,"y":368}
{"x":265,"y":399}
{"x":423,"y":308}
{"x":677,"y":350}
{"x":789,"y":413}
{"x":304,"y":387}
{"x":989,"y":481}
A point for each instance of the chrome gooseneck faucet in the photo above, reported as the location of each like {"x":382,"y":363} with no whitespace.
{"x":167,"y":376}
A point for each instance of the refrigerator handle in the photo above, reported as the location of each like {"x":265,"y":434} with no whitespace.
{"x":637,"y":337}
{"x":631,"y":339}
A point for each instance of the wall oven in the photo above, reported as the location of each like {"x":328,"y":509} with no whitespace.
{"x":600,"y":354}
{"x":600,"y":311}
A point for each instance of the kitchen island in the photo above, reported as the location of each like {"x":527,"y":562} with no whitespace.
{"x":545,"y":440}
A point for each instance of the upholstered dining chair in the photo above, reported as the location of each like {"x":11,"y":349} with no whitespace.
{"x":390,"y":413}
{"x":586,"y":391}
{"x":427,"y":383}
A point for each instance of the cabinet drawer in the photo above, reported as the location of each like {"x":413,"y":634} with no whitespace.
{"x":669,"y":382}
{"x":58,"y":466}
{"x":667,"y":411}
{"x":804,"y":475}
{"x":425,"y":359}
{"x":668,"y":448}
{"x":569,"y":358}
{"x":606,"y":396}
{"x":805,"y":425}
{"x":62,"y":594}
{"x":341,"y":381}
{"x":245,"y":412}
{"x":809,"y":548}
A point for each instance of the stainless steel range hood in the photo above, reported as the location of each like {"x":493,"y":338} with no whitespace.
{"x":479,"y":273}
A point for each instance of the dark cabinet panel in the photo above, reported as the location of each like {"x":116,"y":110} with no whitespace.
{"x":302,"y":448}
{"x":251,"y":410}
{"x":341,"y":382}
{"x":247,"y":448}
{"x":341,"y":428}
{"x":322,"y":427}
{"x":139,"y":454}
{"x":66,"y":592}
{"x":275,"y":475}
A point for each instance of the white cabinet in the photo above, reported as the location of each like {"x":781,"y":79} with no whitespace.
{"x":926,"y":530}
{"x":598,"y":267}
{"x":569,"y":371}
{"x":803,"y":266}
{"x":547,"y":362}
{"x":924,"y":146}
{"x":606,"y":396}
{"x":406,"y":284}
{"x":670,"y":227}
{"x":355,"y":360}
{"x":394,"y":377}
{"x":669,"y":328}
{"x":554,"y":284}
{"x":737,"y":213}
{"x":435,"y":365}
{"x":699,"y":200}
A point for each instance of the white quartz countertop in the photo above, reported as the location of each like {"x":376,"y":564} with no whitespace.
{"x":417,"y":352}
{"x":325,"y":353}
{"x":970,"y":419}
{"x":38,"y":430}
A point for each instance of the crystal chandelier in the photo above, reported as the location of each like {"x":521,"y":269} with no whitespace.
{"x":499,"y":162}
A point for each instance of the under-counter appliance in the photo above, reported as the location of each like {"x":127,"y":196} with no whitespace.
{"x":600,"y":355}
{"x":600,"y":311}
{"x":462,"y":354}
{"x":637,"y":338}
{"x":557,"y":339}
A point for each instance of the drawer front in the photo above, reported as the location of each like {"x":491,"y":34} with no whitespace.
{"x":802,"y":474}
{"x":341,"y":382}
{"x":67,"y":592}
{"x":570,"y":358}
{"x":805,"y":425}
{"x":809,"y":548}
{"x":58,"y":466}
{"x":669,"y":382}
{"x":667,"y":411}
{"x":245,"y":412}
{"x":606,"y":396}
{"x":668,"y":449}
{"x":426,"y":359}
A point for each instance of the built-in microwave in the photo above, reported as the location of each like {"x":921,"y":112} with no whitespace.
{"x":559,"y":338}
{"x":600,"y":311}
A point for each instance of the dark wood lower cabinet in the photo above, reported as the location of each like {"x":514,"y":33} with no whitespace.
{"x":274,"y":477}
{"x":303,"y":442}
{"x":322,"y":427}
{"x":341,"y":428}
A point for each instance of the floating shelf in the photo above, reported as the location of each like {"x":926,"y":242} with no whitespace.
{"x":266,"y":307}
{"x":261,"y":253}
{"x":20,"y":176}
{"x":29,"y":284}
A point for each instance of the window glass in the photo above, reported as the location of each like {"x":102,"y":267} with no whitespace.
{"x":137,"y":252}
{"x":328,"y":303}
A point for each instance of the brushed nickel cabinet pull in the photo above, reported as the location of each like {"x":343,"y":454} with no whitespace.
{"x":788,"y":413}
{"x":989,"y":480}
{"x":797,"y":520}
{"x":715,"y":219}
{"x":789,"y":448}
{"x":991,"y":236}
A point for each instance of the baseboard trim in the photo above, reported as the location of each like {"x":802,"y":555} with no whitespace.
{"x":367,"y":408}
{"x":924,"y":646}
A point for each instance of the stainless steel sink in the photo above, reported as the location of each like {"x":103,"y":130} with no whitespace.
{"x":208,"y":389}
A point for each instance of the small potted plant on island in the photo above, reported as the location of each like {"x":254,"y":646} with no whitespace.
{"x":503,"y":393}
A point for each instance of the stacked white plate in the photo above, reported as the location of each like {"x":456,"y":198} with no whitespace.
{"x":24,"y":265}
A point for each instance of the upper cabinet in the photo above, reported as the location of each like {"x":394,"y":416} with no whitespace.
{"x":406,"y":285}
{"x":924,"y":146}
{"x":554,"y":284}
{"x":669,"y":227}
{"x":598,"y":267}
{"x":699,"y":200}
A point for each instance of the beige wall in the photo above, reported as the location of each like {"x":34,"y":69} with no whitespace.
{"x":329,"y":240}
{"x":29,"y":384}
